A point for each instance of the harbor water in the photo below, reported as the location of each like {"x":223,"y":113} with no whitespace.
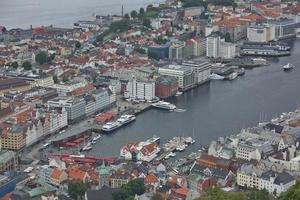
{"x":61,"y":13}
{"x":218,"y":108}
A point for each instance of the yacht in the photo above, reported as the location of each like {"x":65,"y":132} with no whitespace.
{"x":110,"y":126}
{"x":189,"y":140}
{"x":288,"y":66}
{"x":171,"y":154}
{"x":96,"y":138}
{"x":216,"y":77}
{"x":180,"y":148}
{"x":125,"y":119}
{"x":232,"y":76}
{"x":178,"y":93}
{"x":154,"y":139}
{"x":164,"y":105}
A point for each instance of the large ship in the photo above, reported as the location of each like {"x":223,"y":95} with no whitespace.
{"x":164,"y":105}
{"x":110,"y":126}
{"x":125,"y":119}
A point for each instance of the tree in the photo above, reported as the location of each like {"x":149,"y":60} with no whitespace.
{"x":156,"y":197}
{"x":129,"y":190}
{"x":147,"y":23}
{"x":76,"y":190}
{"x":142,"y":12}
{"x":292,"y":193}
{"x":27,"y":65}
{"x":41,"y":57}
{"x":228,"y":37}
{"x":133,"y":14}
{"x":126,"y":16}
{"x":140,"y":50}
{"x":15,"y":64}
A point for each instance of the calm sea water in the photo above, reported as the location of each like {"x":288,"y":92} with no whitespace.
{"x":218,"y":108}
{"x":62,"y":13}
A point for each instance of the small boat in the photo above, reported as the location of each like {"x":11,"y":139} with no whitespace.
{"x":178,"y":93}
{"x":93,"y":142}
{"x":240,"y":71}
{"x":189,"y":140}
{"x":216,"y":77}
{"x":232,"y":76}
{"x":288,"y":67}
{"x":96,"y":138}
{"x":171,"y":154}
{"x":154,"y":139}
{"x":180,"y":148}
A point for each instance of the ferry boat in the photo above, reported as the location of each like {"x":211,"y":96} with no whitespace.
{"x":110,"y":126}
{"x":125,"y":119}
{"x":288,"y":67}
{"x":164,"y":105}
{"x":216,"y":77}
{"x":96,"y":138}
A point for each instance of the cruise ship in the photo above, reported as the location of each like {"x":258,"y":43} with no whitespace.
{"x":125,"y":119}
{"x":110,"y":126}
{"x":164,"y":105}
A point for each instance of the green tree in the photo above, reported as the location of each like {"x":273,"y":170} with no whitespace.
{"x":147,"y":23}
{"x":15,"y":64}
{"x":27,"y":65}
{"x":228,"y":37}
{"x":140,"y":50}
{"x":156,"y":197}
{"x":142,"y":12}
{"x":126,"y":16}
{"x":41,"y":57}
{"x":292,"y":193}
{"x":129,"y":190}
{"x":77,"y":190}
{"x":133,"y":14}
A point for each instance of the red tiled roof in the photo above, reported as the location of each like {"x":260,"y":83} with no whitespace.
{"x":150,"y":179}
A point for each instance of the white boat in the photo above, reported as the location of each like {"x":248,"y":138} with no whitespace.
{"x":164,"y":105}
{"x":260,"y":60}
{"x":96,"y":138}
{"x":154,"y":139}
{"x":178,"y":93}
{"x":288,"y":66}
{"x":171,"y":154}
{"x":232,"y":76}
{"x":189,"y":140}
{"x":93,"y":142}
{"x":125,"y":119}
{"x":110,"y":126}
{"x":87,"y":147}
{"x":180,"y":148}
{"x":216,"y":77}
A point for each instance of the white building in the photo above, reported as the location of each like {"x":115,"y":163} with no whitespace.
{"x":201,"y":69}
{"x":184,"y":75}
{"x":227,"y":50}
{"x":141,"y":89}
{"x":213,"y":43}
{"x":68,"y":87}
{"x":261,"y":33}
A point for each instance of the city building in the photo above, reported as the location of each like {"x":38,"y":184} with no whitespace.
{"x":13,"y":84}
{"x":103,"y":172}
{"x":284,"y":27}
{"x":119,"y":178}
{"x":213,"y":43}
{"x":176,"y":51}
{"x":8,"y":161}
{"x":201,"y":70}
{"x":161,"y":51}
{"x":227,"y":50}
{"x":184,"y":74}
{"x":166,"y":86}
{"x":193,"y":11}
{"x":142,"y":89}
{"x":12,"y":137}
{"x":261,"y":33}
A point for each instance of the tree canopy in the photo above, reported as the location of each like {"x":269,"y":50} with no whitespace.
{"x":133,"y":14}
{"x":129,"y":190}
{"x":27,"y":65}
{"x":14,"y":64}
{"x":41,"y":57}
{"x":77,"y":190}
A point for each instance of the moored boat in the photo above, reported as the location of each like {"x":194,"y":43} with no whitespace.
{"x":164,"y":105}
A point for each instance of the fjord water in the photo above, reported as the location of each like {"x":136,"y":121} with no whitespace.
{"x":61,"y":13}
{"x":218,"y":108}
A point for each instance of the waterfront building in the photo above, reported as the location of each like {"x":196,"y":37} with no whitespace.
{"x":227,"y":50}
{"x":189,"y":49}
{"x":184,"y":74}
{"x":261,"y":33}
{"x":166,"y":86}
{"x":213,"y":43}
{"x":142,"y":89}
{"x":201,"y":70}
{"x":248,"y":176}
{"x":176,"y":51}
{"x":8,"y":161}
{"x":284,"y":27}
{"x":74,"y":106}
